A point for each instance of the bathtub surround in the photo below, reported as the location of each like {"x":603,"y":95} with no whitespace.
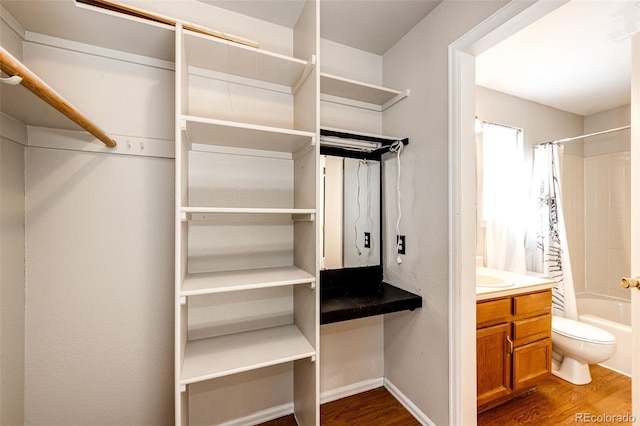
{"x":550,"y":251}
{"x":614,"y":316}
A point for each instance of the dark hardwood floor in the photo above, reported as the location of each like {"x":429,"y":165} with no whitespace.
{"x":376,"y":407}
{"x":553,"y":402}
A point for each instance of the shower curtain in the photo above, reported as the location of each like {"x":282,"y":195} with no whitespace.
{"x":548,"y":246}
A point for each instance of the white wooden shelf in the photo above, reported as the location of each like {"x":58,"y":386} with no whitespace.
{"x":334,"y":89}
{"x":218,"y":55}
{"x":95,"y":26}
{"x":249,"y":279}
{"x":246,"y":210}
{"x":211,"y":131}
{"x":235,"y":353}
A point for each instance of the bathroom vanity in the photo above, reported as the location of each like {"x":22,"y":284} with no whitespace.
{"x":513,"y":334}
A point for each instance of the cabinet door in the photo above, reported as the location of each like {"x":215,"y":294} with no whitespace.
{"x":531,"y":363}
{"x":493,"y":362}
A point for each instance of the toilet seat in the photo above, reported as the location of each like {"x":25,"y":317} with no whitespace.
{"x":581,"y":331}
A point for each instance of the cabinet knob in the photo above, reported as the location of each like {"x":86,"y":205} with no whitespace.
{"x":630,"y":282}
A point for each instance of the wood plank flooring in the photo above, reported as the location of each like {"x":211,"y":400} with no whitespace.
{"x":554,"y":402}
{"x":376,"y":407}
{"x":557,"y":402}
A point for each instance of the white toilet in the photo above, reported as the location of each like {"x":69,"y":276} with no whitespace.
{"x":575,"y":346}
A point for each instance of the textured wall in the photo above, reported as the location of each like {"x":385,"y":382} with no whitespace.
{"x":12,"y":281}
{"x":99,"y":323}
{"x":416,"y":357}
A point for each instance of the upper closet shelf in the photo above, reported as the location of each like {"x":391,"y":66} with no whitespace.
{"x":90,"y":25}
{"x":359,"y":94}
{"x":211,"y":131}
{"x":211,"y":53}
{"x":249,"y":279}
{"x":235,"y":353}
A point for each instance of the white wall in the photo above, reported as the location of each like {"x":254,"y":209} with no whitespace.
{"x":610,"y":142}
{"x":12,"y":249}
{"x":12,"y":282}
{"x":99,"y":253}
{"x":99,"y":289}
{"x":540,"y":123}
{"x":417,"y":343}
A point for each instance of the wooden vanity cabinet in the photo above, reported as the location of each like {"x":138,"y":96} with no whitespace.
{"x":513,"y":345}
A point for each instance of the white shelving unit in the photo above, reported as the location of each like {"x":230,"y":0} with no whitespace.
{"x":246,"y":203}
{"x":248,"y":279}
{"x":221,"y":356}
{"x":359,"y":94}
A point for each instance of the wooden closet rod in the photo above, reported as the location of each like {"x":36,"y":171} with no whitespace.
{"x":12,"y":67}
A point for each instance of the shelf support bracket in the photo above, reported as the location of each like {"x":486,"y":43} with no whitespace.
{"x":396,"y":99}
{"x":308,"y":217}
{"x":311,"y":63}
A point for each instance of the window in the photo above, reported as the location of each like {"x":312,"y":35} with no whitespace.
{"x":504,"y":197}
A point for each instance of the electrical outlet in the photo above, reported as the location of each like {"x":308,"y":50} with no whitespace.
{"x":367,"y":240}
{"x":401,"y":244}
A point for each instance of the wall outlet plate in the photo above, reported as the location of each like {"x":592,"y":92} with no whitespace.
{"x":367,"y":240}
{"x":401,"y":242}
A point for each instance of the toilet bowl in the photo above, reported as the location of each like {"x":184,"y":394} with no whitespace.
{"x":575,"y":346}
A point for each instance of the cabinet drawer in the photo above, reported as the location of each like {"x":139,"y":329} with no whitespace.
{"x":532,"y":303}
{"x":493,"y":312}
{"x":531,"y":329}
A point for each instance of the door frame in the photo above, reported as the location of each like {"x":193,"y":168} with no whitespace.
{"x":513,"y":17}
{"x":635,"y":221}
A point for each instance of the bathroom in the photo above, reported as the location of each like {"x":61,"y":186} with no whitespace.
{"x":595,"y":171}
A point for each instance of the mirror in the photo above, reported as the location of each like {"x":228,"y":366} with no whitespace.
{"x":350,"y":212}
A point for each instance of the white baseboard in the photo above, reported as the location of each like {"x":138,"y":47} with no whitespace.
{"x":408,"y":404}
{"x":333,"y":395}
{"x":352,"y":389}
{"x":262,"y":416}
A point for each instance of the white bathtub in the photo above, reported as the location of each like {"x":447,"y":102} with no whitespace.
{"x":613,"y":315}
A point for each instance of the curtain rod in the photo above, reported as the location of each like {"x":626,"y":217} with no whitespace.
{"x":584,"y":136}
{"x":12,"y":67}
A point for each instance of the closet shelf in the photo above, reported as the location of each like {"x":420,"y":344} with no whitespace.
{"x":335,"y":89}
{"x":211,"y":53}
{"x":211,"y":131}
{"x":236,"y":353}
{"x":249,"y":279}
{"x":89,"y":25}
{"x":247,"y":210}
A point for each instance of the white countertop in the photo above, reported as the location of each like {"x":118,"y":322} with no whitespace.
{"x":522,"y":283}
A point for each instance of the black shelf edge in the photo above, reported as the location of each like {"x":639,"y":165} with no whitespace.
{"x":346,"y":307}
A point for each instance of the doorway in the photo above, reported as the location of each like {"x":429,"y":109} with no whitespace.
{"x":502,"y":25}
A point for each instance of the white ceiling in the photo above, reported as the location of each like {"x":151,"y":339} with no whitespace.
{"x":577,"y":58}
{"x":370,"y":25}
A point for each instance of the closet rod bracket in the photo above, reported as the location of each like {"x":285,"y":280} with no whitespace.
{"x":11,"y":81}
